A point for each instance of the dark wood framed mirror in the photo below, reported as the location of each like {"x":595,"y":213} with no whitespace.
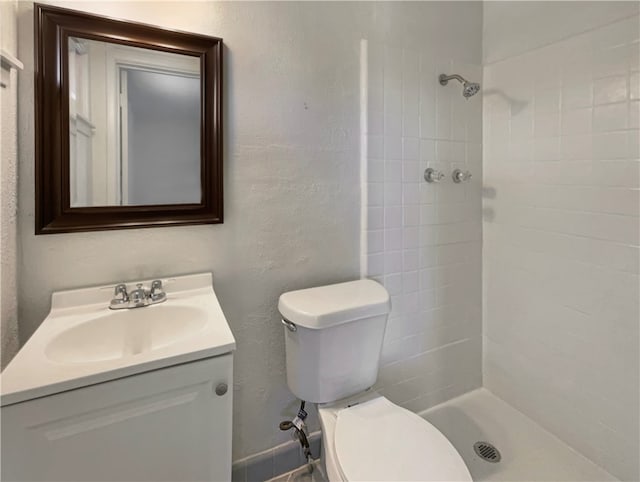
{"x":128,"y":124}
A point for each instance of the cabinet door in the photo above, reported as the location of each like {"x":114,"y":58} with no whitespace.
{"x":164,"y":425}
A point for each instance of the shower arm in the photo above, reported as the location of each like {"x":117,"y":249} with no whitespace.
{"x":446,"y":78}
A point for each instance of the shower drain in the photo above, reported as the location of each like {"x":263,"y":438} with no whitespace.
{"x":487,"y":451}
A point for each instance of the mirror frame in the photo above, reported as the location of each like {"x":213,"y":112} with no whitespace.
{"x":53,"y":213}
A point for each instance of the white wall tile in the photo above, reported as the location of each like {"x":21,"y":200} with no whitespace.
{"x":547,"y":123}
{"x":411,"y":148}
{"x":610,"y":89}
{"x":611,"y":145}
{"x":576,"y":121}
{"x":634,"y":85}
{"x":393,"y":92}
{"x":546,"y":149}
{"x":375,"y":147}
{"x":393,"y":283}
{"x":459,"y":114}
{"x":393,"y":262}
{"x":392,"y":171}
{"x":375,"y":170}
{"x":561,"y":243}
{"x":375,"y":264}
{"x":612,"y":61}
{"x":375,"y":241}
{"x":522,"y":125}
{"x":410,"y":281}
{"x":443,"y":112}
{"x":411,"y":237}
{"x":577,"y":147}
{"x":577,"y":94}
{"x":393,"y":216}
{"x":375,"y":218}
{"x":412,"y":172}
{"x":410,"y":193}
{"x":547,"y":100}
{"x":411,"y":215}
{"x":393,"y":239}
{"x":410,"y":260}
{"x":610,"y":117}
{"x":392,"y":147}
{"x":427,"y":151}
{"x":410,"y":93}
{"x":375,"y":194}
{"x":634,"y":115}
{"x":419,"y":219}
{"x":393,"y":195}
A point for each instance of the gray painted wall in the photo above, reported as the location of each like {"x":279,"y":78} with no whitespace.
{"x":8,"y":193}
{"x":292,"y":193}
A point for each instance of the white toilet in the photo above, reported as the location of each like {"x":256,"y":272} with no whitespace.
{"x":333,"y":337}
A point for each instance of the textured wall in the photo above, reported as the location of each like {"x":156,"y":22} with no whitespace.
{"x":292,"y":190}
{"x":8,"y":193}
{"x":561,"y":237}
{"x":423,"y":241}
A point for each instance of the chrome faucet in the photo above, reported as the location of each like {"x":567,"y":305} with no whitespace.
{"x":139,"y":297}
{"x":459,"y":176}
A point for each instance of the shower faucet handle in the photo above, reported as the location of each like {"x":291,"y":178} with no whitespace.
{"x":433,"y":175}
{"x":459,"y":176}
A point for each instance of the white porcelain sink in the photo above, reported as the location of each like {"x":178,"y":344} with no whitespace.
{"x":126,"y":333}
{"x":83,"y":342}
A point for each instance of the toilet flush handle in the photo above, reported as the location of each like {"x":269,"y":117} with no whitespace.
{"x":290,"y":326}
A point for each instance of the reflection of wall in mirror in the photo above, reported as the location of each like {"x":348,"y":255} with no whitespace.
{"x":87,"y":123}
{"x":99,"y":160}
{"x":101,"y":181}
{"x":81,"y":129}
{"x":164,"y":138}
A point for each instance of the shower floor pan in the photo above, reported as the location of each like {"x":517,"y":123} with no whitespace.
{"x":527,"y":451}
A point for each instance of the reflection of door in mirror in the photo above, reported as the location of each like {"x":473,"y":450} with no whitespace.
{"x":134,"y":126}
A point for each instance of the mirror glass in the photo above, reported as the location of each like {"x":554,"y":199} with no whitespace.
{"x":134,"y":126}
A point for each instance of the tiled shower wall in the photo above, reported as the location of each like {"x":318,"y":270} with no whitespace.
{"x":561,"y":239}
{"x":423,"y":241}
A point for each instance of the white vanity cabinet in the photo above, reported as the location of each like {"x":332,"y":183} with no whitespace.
{"x":169,"y":424}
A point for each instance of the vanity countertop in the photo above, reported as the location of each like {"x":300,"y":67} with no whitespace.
{"x":82,"y":342}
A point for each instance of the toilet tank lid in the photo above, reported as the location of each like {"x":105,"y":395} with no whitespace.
{"x":330,"y":305}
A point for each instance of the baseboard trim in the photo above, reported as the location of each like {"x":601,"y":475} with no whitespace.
{"x":274,"y":461}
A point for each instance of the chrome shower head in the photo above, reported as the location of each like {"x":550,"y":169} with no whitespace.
{"x":468,"y":88}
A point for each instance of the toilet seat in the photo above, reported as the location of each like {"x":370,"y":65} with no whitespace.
{"x":378,"y":441}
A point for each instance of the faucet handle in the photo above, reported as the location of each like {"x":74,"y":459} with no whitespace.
{"x":121,"y":297}
{"x":459,"y":175}
{"x":157,"y":295}
{"x":433,"y":175}
{"x":121,"y":289}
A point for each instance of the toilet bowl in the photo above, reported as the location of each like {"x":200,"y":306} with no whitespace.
{"x":333,"y":339}
{"x":368,"y":438}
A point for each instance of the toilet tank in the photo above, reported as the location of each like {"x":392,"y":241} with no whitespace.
{"x":333,"y":338}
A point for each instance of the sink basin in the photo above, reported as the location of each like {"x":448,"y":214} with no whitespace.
{"x":125,"y":333}
{"x":82,"y":342}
